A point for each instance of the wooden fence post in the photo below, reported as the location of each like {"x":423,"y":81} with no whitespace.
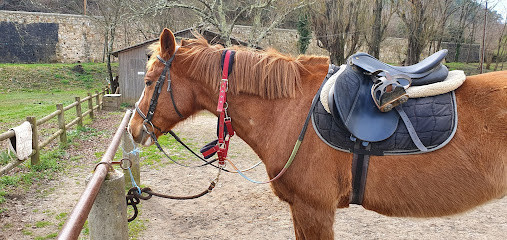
{"x":35,"y":159}
{"x":79,"y":114}
{"x":102,"y":98}
{"x":90,"y":104}
{"x":61,"y":124}
{"x":97,"y":100}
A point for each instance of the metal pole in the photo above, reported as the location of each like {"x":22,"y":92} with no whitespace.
{"x":77,"y":217}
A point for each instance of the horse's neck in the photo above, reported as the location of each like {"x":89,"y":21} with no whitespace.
{"x":269,"y":127}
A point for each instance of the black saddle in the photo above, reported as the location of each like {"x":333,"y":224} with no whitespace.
{"x":429,"y":70}
{"x":353,"y":99}
{"x":359,"y":125}
{"x":356,"y":119}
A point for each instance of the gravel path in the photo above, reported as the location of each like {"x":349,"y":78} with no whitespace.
{"x":236,"y":209}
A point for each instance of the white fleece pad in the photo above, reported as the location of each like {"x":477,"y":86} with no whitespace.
{"x":453,"y":81}
{"x":21,"y":143}
{"x":327,"y":87}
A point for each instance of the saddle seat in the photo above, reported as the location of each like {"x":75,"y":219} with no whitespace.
{"x":350,"y":99}
{"x":430,"y":70}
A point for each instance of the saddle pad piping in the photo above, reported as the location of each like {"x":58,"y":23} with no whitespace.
{"x":434,"y":148}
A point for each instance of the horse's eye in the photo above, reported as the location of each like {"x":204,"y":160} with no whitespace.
{"x":148,"y":83}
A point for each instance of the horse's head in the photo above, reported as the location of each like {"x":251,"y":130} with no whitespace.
{"x":168,"y":97}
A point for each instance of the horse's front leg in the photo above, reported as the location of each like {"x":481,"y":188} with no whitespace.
{"x":312,"y":221}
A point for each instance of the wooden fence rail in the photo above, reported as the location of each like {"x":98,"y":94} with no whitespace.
{"x":62,"y":126}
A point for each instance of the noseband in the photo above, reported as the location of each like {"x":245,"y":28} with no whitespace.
{"x":156,"y":93}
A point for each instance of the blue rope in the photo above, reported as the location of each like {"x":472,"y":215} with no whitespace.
{"x":249,"y":179}
{"x":134,"y":184}
{"x":135,"y":151}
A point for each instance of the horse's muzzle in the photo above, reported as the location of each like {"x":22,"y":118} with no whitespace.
{"x":140,"y":135}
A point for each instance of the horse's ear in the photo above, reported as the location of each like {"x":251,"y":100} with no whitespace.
{"x":167,"y":42}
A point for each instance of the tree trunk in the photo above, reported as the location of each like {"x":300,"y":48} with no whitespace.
{"x":108,"y":58}
{"x":498,"y":56}
{"x":414,"y":50}
{"x":374,"y":48}
{"x":336,"y":55}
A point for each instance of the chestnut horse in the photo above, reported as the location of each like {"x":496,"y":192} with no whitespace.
{"x":269,"y":98}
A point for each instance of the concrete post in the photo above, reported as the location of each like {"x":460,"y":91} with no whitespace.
{"x":128,"y":146}
{"x":108,"y":216}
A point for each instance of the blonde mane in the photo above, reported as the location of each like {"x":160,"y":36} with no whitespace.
{"x":267,"y":74}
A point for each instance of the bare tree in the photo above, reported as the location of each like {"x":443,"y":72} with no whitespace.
{"x":444,"y":11}
{"x":266,"y":15}
{"x":382,"y":13}
{"x":502,"y":44}
{"x":53,"y":6}
{"x":466,"y":15}
{"x":223,"y":15}
{"x":110,"y":14}
{"x":338,"y":25}
{"x":419,"y":20}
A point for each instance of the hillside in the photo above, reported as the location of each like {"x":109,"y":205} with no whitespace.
{"x":53,"y":77}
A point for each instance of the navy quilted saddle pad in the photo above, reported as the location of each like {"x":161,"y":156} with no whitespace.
{"x":434,"y":119}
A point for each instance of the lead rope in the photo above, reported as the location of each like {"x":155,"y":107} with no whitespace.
{"x":135,"y":194}
{"x":300,"y":138}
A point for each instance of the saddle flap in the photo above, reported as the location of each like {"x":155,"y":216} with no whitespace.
{"x":351,"y":101}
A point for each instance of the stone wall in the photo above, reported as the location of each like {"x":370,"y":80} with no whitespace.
{"x":47,"y":37}
{"x":468,"y":52}
{"x":34,"y":42}
{"x":283,"y":40}
{"x":78,"y":37}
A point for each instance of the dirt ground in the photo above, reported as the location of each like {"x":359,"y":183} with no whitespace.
{"x":236,"y":209}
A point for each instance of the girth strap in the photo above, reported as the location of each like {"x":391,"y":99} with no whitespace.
{"x":360,"y":164}
{"x":411,"y":130}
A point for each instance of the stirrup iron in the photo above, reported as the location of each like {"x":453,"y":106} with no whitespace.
{"x":390,"y":91}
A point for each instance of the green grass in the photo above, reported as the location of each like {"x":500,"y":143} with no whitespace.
{"x":28,"y":175}
{"x":41,"y":224}
{"x":153,"y":157}
{"x":35,"y":89}
{"x":52,"y":77}
{"x":468,"y":68}
{"x":49,"y":236}
{"x":138,"y":225}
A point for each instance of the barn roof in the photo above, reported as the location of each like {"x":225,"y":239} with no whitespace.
{"x":212,"y":37}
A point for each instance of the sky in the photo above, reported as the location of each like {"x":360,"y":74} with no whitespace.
{"x":500,"y":7}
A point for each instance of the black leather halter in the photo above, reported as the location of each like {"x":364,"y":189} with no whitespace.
{"x":156,"y":93}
